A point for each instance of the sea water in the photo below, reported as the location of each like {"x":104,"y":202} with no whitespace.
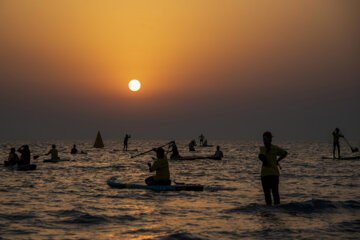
{"x":320,"y":199}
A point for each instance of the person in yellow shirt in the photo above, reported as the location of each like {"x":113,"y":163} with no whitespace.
{"x":53,"y":152}
{"x":161,"y":166}
{"x":270,"y":155}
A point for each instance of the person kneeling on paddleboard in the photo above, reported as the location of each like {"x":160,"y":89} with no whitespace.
{"x":161,"y":166}
{"x":53,"y":152}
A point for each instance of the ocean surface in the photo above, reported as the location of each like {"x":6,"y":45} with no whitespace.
{"x":320,"y":199}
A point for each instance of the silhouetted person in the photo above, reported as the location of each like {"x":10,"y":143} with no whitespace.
{"x":126,"y":139}
{"x":74,"y":150}
{"x":192,"y":145}
{"x":161,"y":166}
{"x":25,"y":155}
{"x":269,"y":171}
{"x":12,"y":159}
{"x":54,"y":152}
{"x":336,"y":143}
{"x":174,"y":151}
{"x":218,"y":154}
{"x":201,"y":137}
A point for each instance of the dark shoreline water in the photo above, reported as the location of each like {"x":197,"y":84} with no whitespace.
{"x":70,"y":200}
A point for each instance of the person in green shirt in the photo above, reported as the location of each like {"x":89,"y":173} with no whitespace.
{"x":54,"y":152}
{"x":336,"y":143}
{"x":270,"y":156}
{"x":161,"y":166}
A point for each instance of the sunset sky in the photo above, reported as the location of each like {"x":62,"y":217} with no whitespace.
{"x":229,"y":69}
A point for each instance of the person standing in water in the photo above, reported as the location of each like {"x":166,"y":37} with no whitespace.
{"x":218,"y":154}
{"x":25,"y":155}
{"x":336,"y":143}
{"x":270,"y":156}
{"x":74,"y":150}
{"x":126,"y":139}
{"x":54,"y":152}
{"x":161,"y":166}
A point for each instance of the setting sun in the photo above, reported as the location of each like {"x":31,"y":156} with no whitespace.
{"x":134,"y":85}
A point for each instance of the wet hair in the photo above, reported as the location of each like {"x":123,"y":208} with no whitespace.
{"x":337,"y":129}
{"x":12,"y":149}
{"x":53,"y":146}
{"x":218,"y":147}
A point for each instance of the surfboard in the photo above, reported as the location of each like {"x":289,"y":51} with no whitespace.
{"x":343,"y":158}
{"x":26,"y":167}
{"x":112,"y":182}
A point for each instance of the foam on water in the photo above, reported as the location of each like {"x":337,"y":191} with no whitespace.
{"x":71,"y":200}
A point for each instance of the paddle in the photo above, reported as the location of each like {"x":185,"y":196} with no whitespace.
{"x":149,"y":150}
{"x":352,"y":149}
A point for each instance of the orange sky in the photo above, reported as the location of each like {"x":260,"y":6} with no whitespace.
{"x":84,"y":53}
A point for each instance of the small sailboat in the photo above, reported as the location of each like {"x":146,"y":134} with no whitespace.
{"x":98,"y":142}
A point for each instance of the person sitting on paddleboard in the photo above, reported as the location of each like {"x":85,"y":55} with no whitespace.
{"x":54,"y":152}
{"x":74,"y":150}
{"x":269,"y":154}
{"x":12,"y":159}
{"x":25,"y":155}
{"x":218,"y":154}
{"x":192,"y":145}
{"x":161,"y":166}
{"x":336,"y":143}
{"x":175,"y":152}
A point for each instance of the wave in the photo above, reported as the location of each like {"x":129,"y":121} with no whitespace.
{"x":178,"y":236}
{"x":79,"y":217}
{"x":307,"y":207}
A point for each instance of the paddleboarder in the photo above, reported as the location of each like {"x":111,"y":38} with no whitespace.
{"x":126,"y":139}
{"x":270,"y":155}
{"x":192,"y":145}
{"x":336,"y":141}
{"x":174,"y":151}
{"x":54,"y":152}
{"x":25,"y":155}
{"x":161,"y":166}
{"x":13,"y":158}
{"x":201,"y":137}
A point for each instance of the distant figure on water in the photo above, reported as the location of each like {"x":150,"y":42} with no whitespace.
{"x":205,"y":143}
{"x":201,"y":138}
{"x":218,"y":154}
{"x":336,"y":141}
{"x":192,"y":145}
{"x":12,"y":159}
{"x":126,"y":139}
{"x":174,"y":151}
{"x":161,"y":166}
{"x":74,"y":150}
{"x":54,"y":152}
{"x":98,"y":141}
{"x":25,"y":155}
{"x":270,"y":155}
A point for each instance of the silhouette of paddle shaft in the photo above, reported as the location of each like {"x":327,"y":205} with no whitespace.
{"x":352,"y":149}
{"x":149,"y":150}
